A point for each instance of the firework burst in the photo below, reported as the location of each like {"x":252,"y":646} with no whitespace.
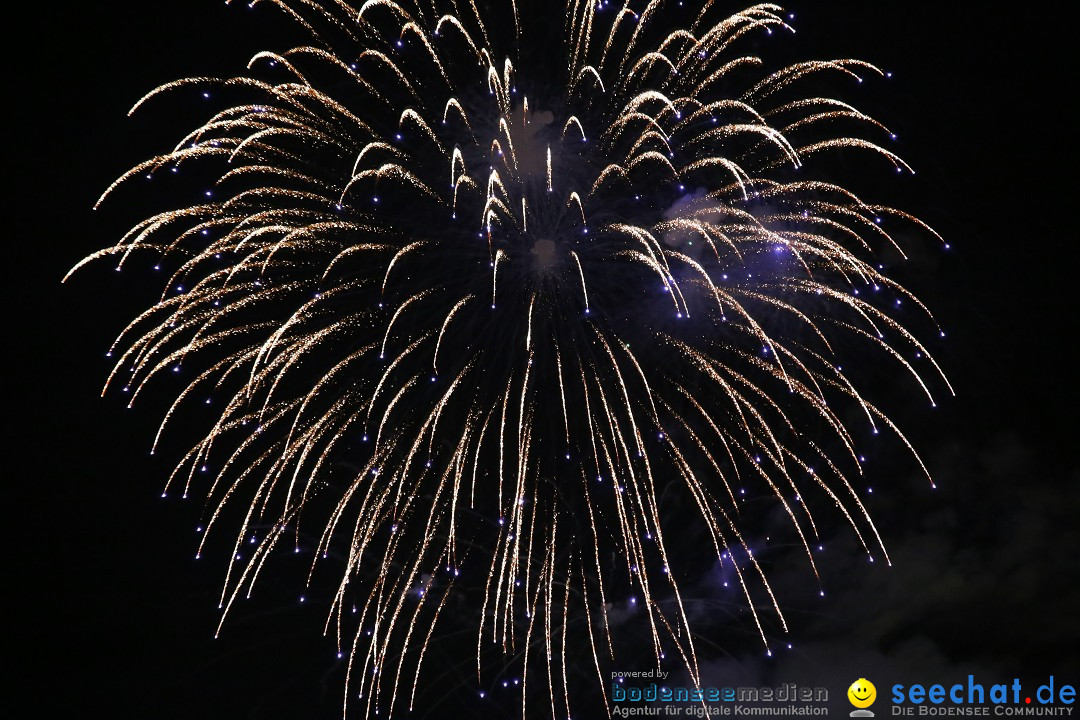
{"x":496,"y":329}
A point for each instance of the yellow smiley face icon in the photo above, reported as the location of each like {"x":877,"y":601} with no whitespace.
{"x":862,"y":693}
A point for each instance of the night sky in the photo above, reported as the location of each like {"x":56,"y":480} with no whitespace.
{"x":113,"y":617}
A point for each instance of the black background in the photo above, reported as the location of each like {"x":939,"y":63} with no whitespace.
{"x":114,"y":619}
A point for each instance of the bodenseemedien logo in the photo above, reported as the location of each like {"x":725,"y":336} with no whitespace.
{"x":862,"y":695}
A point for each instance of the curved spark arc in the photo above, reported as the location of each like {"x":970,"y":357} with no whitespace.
{"x":341,"y":245}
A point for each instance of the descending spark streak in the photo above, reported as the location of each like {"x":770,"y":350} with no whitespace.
{"x":324,"y":290}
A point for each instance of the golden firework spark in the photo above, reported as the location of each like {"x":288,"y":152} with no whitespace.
{"x":672,"y":286}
